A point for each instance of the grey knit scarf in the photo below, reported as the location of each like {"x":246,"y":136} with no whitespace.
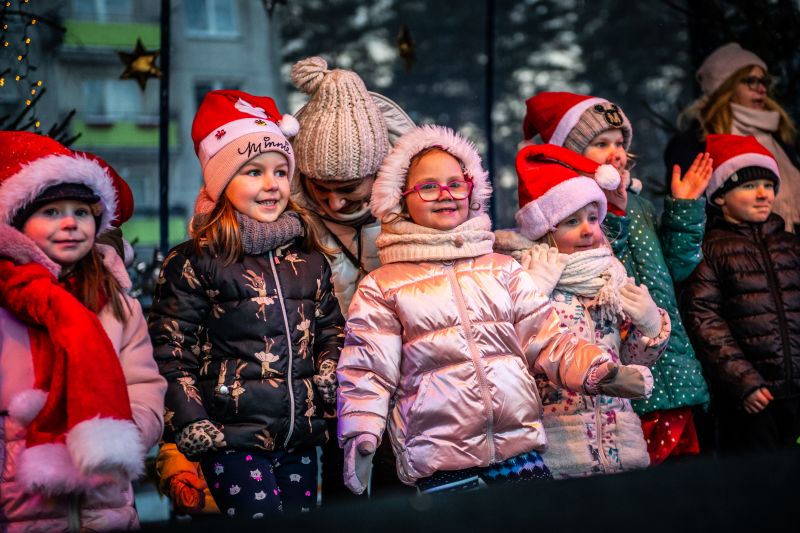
{"x":260,"y":237}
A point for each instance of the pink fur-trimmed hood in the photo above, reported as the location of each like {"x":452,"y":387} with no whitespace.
{"x":388,"y":188}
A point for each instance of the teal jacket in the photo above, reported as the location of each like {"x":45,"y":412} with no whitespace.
{"x":655,"y":257}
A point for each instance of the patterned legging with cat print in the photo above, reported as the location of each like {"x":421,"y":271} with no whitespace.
{"x":260,"y":484}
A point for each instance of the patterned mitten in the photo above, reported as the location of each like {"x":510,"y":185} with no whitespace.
{"x":325,"y":380}
{"x":198,"y":438}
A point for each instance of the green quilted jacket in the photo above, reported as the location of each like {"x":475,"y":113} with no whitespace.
{"x":656,"y":256}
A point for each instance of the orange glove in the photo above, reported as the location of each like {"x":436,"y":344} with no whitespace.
{"x":187,"y":492}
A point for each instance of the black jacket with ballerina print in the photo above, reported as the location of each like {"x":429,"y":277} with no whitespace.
{"x":239,"y":344}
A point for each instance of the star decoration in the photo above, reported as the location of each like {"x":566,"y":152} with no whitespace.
{"x":140,"y":64}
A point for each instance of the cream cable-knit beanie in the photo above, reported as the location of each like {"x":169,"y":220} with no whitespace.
{"x":343,"y":135}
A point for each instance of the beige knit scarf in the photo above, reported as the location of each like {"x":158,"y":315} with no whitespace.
{"x":402,"y":241}
{"x":595,"y":273}
{"x":763,"y":125}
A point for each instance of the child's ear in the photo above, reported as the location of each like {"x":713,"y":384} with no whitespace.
{"x":719,"y":200}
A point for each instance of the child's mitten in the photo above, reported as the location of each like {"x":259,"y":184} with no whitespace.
{"x":325,"y":380}
{"x":545,"y":265}
{"x":634,"y":382}
{"x":358,"y":454}
{"x":187,"y":492}
{"x":642,"y":310}
{"x":198,"y":438}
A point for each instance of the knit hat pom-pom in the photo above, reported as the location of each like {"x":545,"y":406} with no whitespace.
{"x":607,"y":177}
{"x":307,"y":74}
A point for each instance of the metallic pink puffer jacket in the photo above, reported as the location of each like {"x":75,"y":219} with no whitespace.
{"x":446,"y":351}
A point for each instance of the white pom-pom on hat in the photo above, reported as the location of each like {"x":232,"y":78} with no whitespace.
{"x":607,"y":177}
{"x":289,"y":125}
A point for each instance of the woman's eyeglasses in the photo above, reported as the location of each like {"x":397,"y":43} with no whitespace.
{"x":753,"y":82}
{"x":430,"y":192}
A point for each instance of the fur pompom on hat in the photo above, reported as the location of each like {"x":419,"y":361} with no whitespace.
{"x":387,"y":192}
{"x":573,"y":120}
{"x":31,"y":164}
{"x":343,"y":134}
{"x":554,"y":182}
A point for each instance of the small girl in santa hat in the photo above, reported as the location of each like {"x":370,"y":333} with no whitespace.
{"x":655,"y":255}
{"x":562,"y":206}
{"x":81,"y":399}
{"x":442,"y":340}
{"x":244,"y":322}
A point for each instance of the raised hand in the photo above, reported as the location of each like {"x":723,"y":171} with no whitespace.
{"x":693,"y":184}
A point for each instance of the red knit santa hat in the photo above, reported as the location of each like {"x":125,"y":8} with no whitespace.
{"x":231,"y":128}
{"x":738,"y":159}
{"x":572,"y":120}
{"x":32,"y":163}
{"x":555,"y":182}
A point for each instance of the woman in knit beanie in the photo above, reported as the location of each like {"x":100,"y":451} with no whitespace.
{"x":244,"y":322}
{"x":443,"y":338}
{"x":345,"y":133}
{"x":737,"y":99}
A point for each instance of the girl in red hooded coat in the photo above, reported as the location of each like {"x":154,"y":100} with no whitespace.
{"x":81,"y":399}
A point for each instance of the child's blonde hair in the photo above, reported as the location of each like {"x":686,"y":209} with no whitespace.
{"x":220,"y":234}
{"x":715,"y":115}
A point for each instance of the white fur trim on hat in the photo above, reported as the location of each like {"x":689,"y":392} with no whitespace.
{"x":721,"y":174}
{"x":535,"y":219}
{"x":106,"y":444}
{"x":33,"y":178}
{"x":47,"y":468}
{"x":392,"y":176}
{"x":571,"y":118}
{"x":25,"y":406}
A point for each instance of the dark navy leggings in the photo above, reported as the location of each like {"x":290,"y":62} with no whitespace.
{"x":261,"y":484}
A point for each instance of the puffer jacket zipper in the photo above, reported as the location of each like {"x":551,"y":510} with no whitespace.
{"x":773,"y":289}
{"x":598,"y":420}
{"x":289,"y":345}
{"x":476,"y":360}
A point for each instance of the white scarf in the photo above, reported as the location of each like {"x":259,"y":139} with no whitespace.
{"x":596,"y":273}
{"x":763,"y":124}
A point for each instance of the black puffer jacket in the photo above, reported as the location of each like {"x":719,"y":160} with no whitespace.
{"x":220,"y":339}
{"x":742,"y":307}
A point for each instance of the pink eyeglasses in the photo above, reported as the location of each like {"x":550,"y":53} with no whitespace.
{"x":430,"y":192}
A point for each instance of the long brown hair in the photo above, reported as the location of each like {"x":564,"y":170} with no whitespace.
{"x":715,"y":115}
{"x":94,"y":286}
{"x":219,"y":233}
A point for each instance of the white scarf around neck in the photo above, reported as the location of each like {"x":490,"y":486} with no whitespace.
{"x":596,"y":273}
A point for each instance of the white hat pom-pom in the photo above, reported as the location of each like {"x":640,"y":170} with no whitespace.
{"x":607,"y":177}
{"x":289,"y":125}
{"x":636,"y":185}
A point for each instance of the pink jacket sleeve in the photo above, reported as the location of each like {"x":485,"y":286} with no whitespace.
{"x":369,"y":366}
{"x":548,"y":346}
{"x":146,"y":386}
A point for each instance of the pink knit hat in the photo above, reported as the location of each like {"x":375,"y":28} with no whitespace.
{"x":722,"y":63}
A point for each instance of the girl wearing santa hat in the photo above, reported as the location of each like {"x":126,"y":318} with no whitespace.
{"x":742,"y":303}
{"x":656,"y":255}
{"x":81,"y":399}
{"x":562,"y":204}
{"x":442,"y":340}
{"x":244,"y":322}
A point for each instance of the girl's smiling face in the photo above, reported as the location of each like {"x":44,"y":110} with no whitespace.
{"x":260,"y":188}
{"x":437,"y":168}
{"x":580,"y":231}
{"x":64,"y":230}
